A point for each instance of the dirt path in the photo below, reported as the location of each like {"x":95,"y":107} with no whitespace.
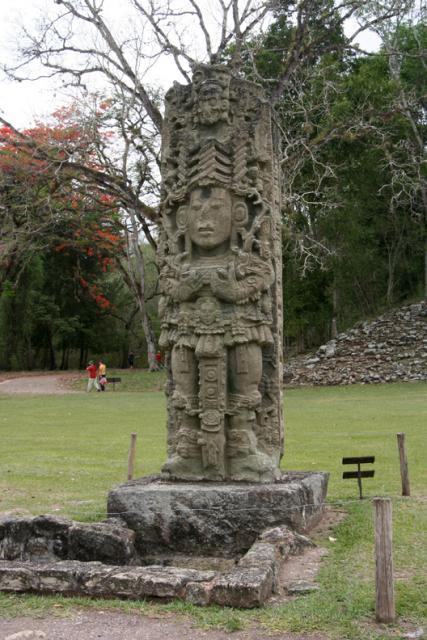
{"x":37,"y":384}
{"x":91,"y":625}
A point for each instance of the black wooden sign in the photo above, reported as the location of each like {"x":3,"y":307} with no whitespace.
{"x":359,"y":474}
{"x":114,"y":381}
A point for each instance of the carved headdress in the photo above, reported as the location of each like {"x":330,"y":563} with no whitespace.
{"x":216,"y":136}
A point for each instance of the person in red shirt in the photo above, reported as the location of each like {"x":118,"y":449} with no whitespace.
{"x":158,"y":357}
{"x":92,"y":380}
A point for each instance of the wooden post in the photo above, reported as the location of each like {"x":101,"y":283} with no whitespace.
{"x":384,"y":606}
{"x":131,"y":458}
{"x":406,"y":491}
{"x":359,"y":481}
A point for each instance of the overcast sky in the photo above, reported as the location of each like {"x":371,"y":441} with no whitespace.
{"x":22,"y":103}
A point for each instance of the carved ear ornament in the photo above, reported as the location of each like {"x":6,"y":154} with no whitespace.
{"x":182,"y":219}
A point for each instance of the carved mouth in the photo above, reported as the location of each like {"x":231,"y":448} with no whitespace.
{"x":206,"y":230}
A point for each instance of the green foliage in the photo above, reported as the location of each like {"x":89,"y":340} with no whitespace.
{"x":50,"y":318}
{"x":354,"y":179}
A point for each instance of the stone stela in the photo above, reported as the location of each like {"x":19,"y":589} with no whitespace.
{"x":221,"y":493}
{"x":220,"y":276}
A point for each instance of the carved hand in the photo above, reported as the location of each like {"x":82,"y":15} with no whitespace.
{"x":224,"y":284}
{"x":189,"y":284}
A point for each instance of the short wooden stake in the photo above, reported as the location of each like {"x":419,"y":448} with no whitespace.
{"x":131,"y":458}
{"x":384,"y":606}
{"x":406,"y":490}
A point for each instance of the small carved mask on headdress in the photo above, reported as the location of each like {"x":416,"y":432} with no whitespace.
{"x":212,"y":104}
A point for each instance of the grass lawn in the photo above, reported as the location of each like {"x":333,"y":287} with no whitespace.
{"x":61,"y":454}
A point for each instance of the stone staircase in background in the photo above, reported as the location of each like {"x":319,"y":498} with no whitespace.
{"x":391,"y":348}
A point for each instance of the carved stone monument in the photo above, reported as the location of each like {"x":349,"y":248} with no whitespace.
{"x":221,"y":318}
{"x":220,"y":278}
{"x":221,"y":493}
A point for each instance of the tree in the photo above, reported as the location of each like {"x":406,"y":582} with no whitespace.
{"x":72,"y":153}
{"x":299,"y":50}
{"x":406,"y":49}
{"x":335,"y":122}
{"x":70,"y":238}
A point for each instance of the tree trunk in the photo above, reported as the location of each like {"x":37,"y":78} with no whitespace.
{"x":62,"y":365}
{"x":64,"y":358}
{"x":390,"y":282}
{"x":334,"y":329}
{"x":125,"y":353}
{"x":393,"y":250}
{"x":151,"y":342}
{"x":83,"y":356}
{"x":52,"y":358}
{"x":135,"y":277}
{"x":29,"y":354}
{"x":425,"y":266}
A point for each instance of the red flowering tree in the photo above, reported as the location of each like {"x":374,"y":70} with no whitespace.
{"x":63,"y":187}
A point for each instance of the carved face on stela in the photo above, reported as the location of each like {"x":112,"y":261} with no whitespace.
{"x":211,"y":220}
{"x":210,"y":217}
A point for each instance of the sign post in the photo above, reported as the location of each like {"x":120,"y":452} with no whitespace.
{"x":359,"y":474}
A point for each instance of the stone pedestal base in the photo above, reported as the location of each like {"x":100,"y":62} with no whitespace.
{"x":246,"y":522}
{"x":215,"y":518}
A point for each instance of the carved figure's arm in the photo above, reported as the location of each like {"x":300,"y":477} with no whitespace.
{"x":258,"y":278}
{"x":189,"y":283}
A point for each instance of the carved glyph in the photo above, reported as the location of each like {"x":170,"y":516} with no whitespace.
{"x":220,"y":274}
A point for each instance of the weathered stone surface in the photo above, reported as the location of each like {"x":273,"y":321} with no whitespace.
{"x":162,"y":584}
{"x":245,"y":587}
{"x":301,"y":587}
{"x":198,"y":593}
{"x":220,"y":279}
{"x":169,"y":582}
{"x":99,"y":580}
{"x":57,"y":577}
{"x":16,"y":577}
{"x":249,"y":584}
{"x":285,"y":540}
{"x":44,"y":537}
{"x":263,"y":555}
{"x":47,"y":538}
{"x":27,"y":634}
{"x":207,"y":517}
{"x":107,"y":543}
{"x":389,"y":349}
